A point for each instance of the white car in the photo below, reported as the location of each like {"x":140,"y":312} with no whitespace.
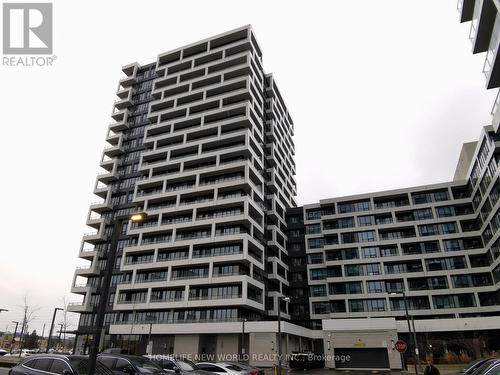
{"x":222,"y":368}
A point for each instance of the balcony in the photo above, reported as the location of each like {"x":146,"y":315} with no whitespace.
{"x":483,"y":20}
{"x":128,"y":81}
{"x":491,"y":68}
{"x":101,"y":206}
{"x":107,"y":177}
{"x":87,"y":253}
{"x":125,"y":100}
{"x":466,"y":9}
{"x":86,"y":270}
{"x":95,"y":220}
{"x":102,"y":190}
{"x":495,"y":112}
{"x":95,"y":237}
{"x":82,"y":289}
{"x":108,"y":163}
{"x":78,"y":307}
{"x":119,"y":125}
{"x":114,"y":150}
{"x":118,"y":115}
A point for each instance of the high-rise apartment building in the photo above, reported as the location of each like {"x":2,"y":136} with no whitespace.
{"x":484,"y":34}
{"x":202,"y":143}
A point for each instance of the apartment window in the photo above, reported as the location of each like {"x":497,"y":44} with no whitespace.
{"x":443,"y":302}
{"x":354,"y":288}
{"x":321,"y":308}
{"x":367,"y":236}
{"x":373,"y":269}
{"x":356,"y":306}
{"x":370,"y":252}
{"x":428,"y":230}
{"x":365,"y":221}
{"x":315,"y":243}
{"x":435,"y":264}
{"x":447,"y":228}
{"x":313,"y":214}
{"x":394,"y":286}
{"x":423,"y":214}
{"x":461,"y":281}
{"x":315,"y":258}
{"x":440,"y":196}
{"x":375,"y":286}
{"x":318,"y":290}
{"x":318,"y":274}
{"x":346,"y":207}
{"x":453,"y":245}
{"x":375,"y":304}
{"x":438,"y":282}
{"x":313,"y":228}
{"x":445,"y":211}
{"x":388,"y":251}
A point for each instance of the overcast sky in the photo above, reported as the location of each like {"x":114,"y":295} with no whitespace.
{"x":382,"y":93}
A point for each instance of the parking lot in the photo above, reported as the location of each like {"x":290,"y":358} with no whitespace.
{"x":4,"y":371}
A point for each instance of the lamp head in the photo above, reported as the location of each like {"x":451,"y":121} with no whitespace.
{"x":137,"y":217}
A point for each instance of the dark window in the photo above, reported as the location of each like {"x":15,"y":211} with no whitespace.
{"x":58,"y":367}
{"x":31,"y":363}
{"x":121,"y":364}
{"x":107,"y":361}
{"x":43,"y":364}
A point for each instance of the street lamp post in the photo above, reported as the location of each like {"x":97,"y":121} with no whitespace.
{"x":243,"y":321}
{"x":150,"y":345}
{"x":52,"y":328}
{"x":59,"y":338}
{"x":286,"y":299}
{"x":13,"y":337}
{"x":413,"y":336}
{"x":136,"y":217}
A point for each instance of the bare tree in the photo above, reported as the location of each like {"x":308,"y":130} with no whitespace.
{"x":67,"y":320}
{"x":28,"y":317}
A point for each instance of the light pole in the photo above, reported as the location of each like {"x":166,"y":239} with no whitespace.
{"x":52,"y":328}
{"x":13,"y":337}
{"x":150,"y":344}
{"x":243,"y":321}
{"x":286,"y":299}
{"x":413,"y":337}
{"x":136,"y":217}
{"x":59,"y":338}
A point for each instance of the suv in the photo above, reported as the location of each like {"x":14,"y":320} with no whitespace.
{"x":177,"y":365}
{"x":129,"y":364}
{"x":43,"y":364}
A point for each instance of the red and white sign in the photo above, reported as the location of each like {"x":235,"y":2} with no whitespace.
{"x":401,"y":346}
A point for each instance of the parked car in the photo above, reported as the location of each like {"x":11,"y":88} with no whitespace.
{"x":3,"y":352}
{"x":250,"y":369}
{"x":471,"y":367}
{"x":177,"y":365}
{"x":488,"y":367}
{"x":121,"y":364}
{"x":41,"y":364}
{"x":222,"y":368}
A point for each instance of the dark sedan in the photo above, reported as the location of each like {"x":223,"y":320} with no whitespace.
{"x":488,"y":367}
{"x":43,"y":364}
{"x":181,"y":366}
{"x":129,"y":364}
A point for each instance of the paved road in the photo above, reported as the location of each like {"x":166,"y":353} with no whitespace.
{"x":4,"y":371}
